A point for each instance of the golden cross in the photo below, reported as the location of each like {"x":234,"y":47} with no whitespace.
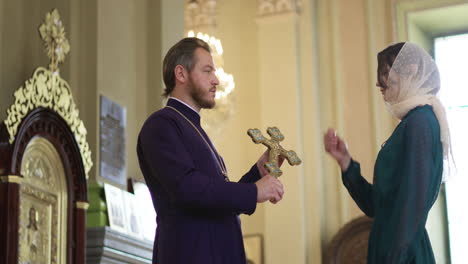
{"x":276,"y":150}
{"x":53,"y":34}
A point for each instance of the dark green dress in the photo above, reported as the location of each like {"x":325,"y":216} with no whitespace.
{"x":407,"y":178}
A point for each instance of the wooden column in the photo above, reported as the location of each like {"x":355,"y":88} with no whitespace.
{"x":9,"y":215}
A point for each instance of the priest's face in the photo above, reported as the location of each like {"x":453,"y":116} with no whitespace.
{"x":202,"y":80}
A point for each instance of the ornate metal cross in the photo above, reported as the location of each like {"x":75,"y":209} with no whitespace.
{"x":276,"y":150}
{"x":56,"y":43}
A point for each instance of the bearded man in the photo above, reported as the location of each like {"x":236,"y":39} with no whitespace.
{"x":197,"y":206}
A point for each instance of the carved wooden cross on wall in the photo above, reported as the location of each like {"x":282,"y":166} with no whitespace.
{"x":276,"y":150}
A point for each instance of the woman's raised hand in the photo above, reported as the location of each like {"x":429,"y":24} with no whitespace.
{"x":337,"y":148}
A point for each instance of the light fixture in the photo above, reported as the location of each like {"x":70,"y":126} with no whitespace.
{"x":192,"y":4}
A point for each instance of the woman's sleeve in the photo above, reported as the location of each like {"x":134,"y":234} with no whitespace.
{"x":358,"y":187}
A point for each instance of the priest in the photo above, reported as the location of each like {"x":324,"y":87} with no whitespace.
{"x":197,"y":205}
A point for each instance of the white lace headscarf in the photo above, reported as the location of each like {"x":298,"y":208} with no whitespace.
{"x":416,"y":75}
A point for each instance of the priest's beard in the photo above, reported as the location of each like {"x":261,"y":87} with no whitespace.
{"x":202,"y":97}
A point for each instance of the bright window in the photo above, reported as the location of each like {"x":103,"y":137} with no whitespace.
{"x":451,"y":55}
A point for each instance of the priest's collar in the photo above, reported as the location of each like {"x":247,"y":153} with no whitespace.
{"x":185,"y":109}
{"x":185,"y":104}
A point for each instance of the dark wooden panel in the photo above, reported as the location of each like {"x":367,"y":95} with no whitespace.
{"x":48,"y":124}
{"x":9,"y":224}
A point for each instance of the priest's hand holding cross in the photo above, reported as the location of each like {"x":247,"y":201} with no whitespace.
{"x":276,"y":153}
{"x":270,"y":162}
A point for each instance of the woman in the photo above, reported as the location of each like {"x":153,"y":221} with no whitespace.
{"x":408,"y":170}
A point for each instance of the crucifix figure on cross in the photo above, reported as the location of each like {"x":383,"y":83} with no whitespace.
{"x":276,"y":150}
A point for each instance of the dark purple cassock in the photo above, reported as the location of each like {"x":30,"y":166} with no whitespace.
{"x":196,"y":207}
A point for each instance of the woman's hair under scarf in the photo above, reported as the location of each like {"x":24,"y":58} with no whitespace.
{"x":419,"y":82}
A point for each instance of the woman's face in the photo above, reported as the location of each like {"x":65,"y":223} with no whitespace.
{"x":390,"y":87}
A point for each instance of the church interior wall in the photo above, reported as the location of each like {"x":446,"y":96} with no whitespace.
{"x":117,"y":76}
{"x":238,"y":32}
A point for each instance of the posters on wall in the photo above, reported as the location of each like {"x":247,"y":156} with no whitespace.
{"x":112,"y":142}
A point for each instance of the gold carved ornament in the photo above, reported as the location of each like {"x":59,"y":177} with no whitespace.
{"x":53,"y":34}
{"x":11,"y":179}
{"x":275,"y":149}
{"x":82,"y":205}
{"x":47,"y":89}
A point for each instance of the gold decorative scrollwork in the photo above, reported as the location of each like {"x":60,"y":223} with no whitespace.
{"x":53,"y":34}
{"x":47,"y":89}
{"x":37,"y":170}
